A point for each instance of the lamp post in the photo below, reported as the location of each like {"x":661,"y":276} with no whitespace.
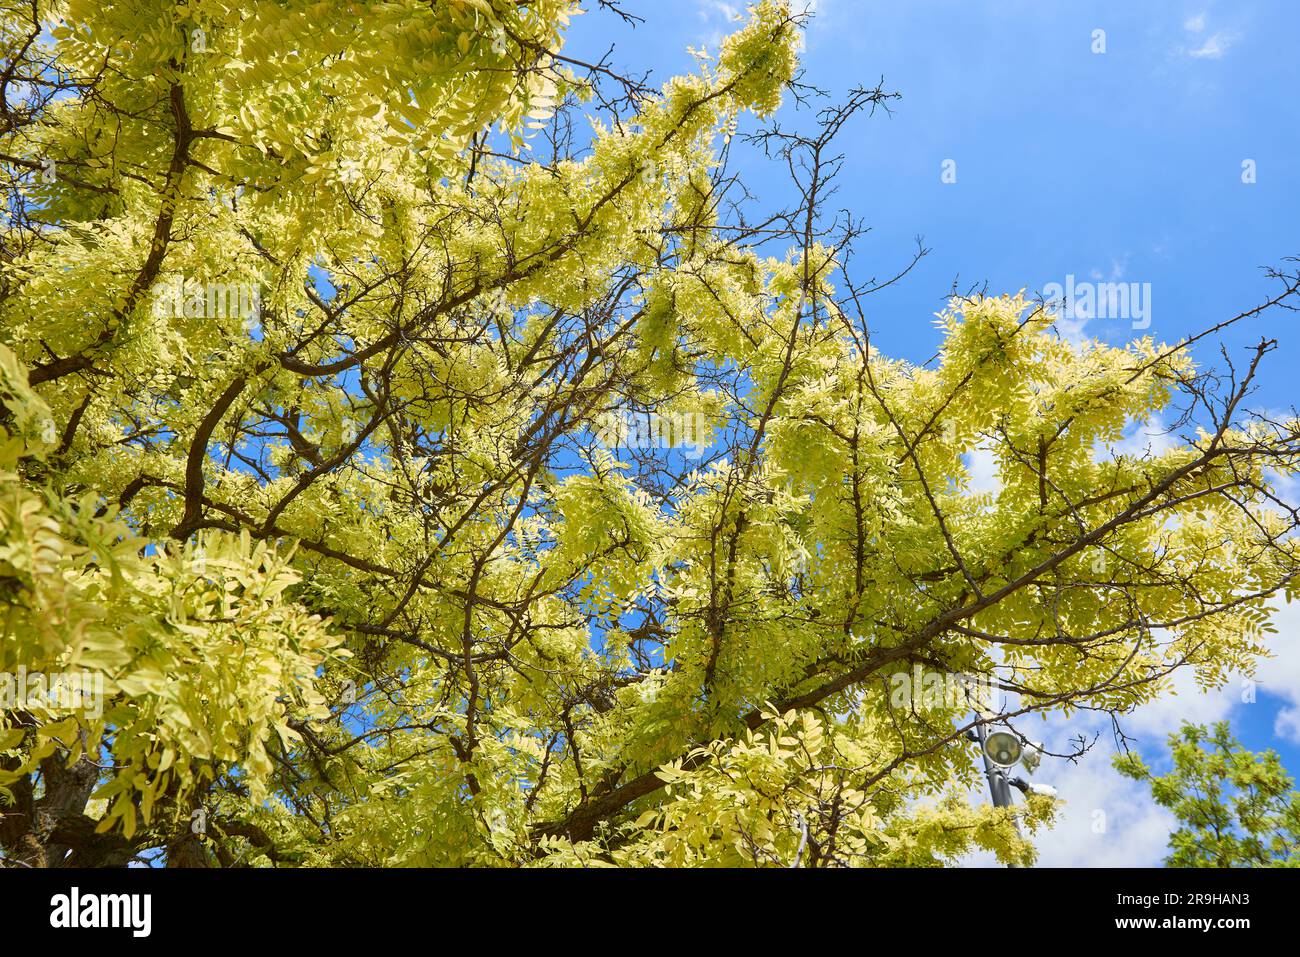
{"x":998,"y":787}
{"x":1001,"y":751}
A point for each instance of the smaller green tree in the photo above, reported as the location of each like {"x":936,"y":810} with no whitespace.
{"x":1235,"y":808}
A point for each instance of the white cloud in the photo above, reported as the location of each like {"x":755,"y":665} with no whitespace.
{"x":983,"y":468}
{"x":710,"y":9}
{"x":1287,"y":725}
{"x":1071,"y":328}
{"x":1212,"y":47}
{"x":1149,"y":440}
{"x":1215,"y":47}
{"x":722,"y":18}
{"x":1280,"y":674}
{"x":1107,"y":820}
{"x":1287,"y":487}
{"x":1184,"y":701}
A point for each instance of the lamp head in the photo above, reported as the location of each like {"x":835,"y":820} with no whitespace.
{"x":1003,"y":748}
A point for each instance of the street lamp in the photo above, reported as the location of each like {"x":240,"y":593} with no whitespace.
{"x":1001,"y":751}
{"x":1003,"y":748}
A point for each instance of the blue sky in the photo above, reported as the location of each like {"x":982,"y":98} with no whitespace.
{"x":1117,"y":166}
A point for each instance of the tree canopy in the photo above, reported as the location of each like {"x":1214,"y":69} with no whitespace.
{"x":1234,"y":808}
{"x":311,"y":317}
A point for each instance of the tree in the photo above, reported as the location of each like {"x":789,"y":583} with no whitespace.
{"x":319,"y":327}
{"x":1234,"y":808}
